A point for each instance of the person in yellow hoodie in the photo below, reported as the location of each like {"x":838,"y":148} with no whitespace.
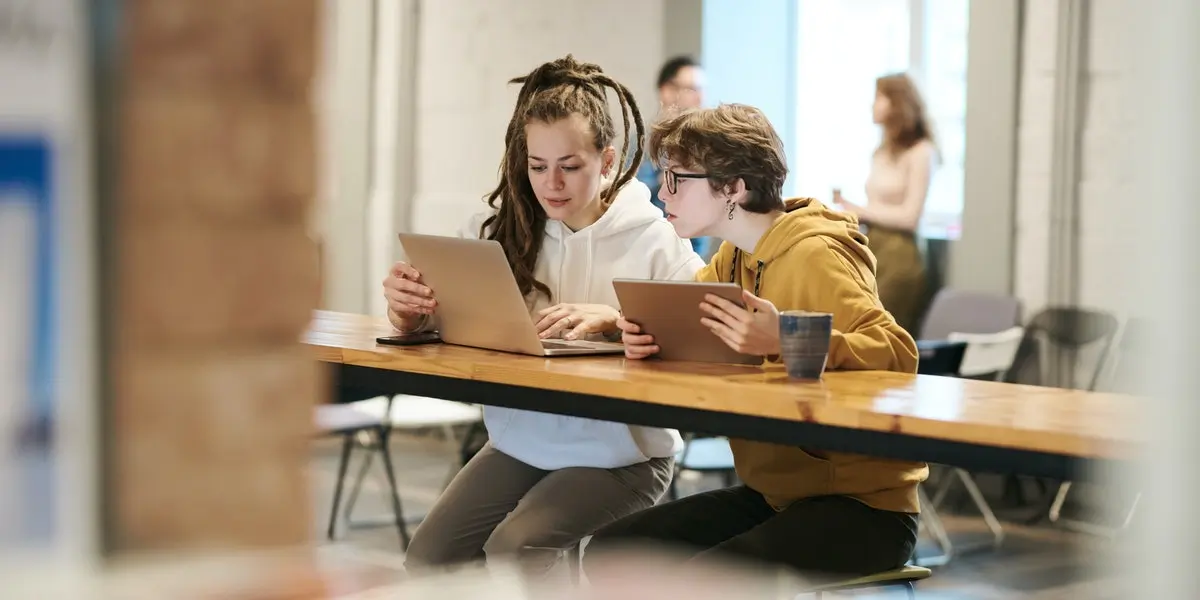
{"x":825,"y":514}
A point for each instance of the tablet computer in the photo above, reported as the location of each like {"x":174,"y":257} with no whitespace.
{"x":670,"y":311}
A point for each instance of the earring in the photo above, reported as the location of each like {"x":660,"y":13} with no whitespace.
{"x":730,"y":205}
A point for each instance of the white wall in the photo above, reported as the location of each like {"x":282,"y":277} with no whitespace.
{"x":1035,"y":135}
{"x":1108,"y":197}
{"x":1105,"y":253}
{"x":469,"y":49}
{"x":683,"y":28}
{"x":982,"y":258}
{"x":344,"y":92}
{"x":414,"y":128}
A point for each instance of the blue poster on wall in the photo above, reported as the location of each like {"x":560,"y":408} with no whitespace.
{"x":28,"y":317}
{"x":27,"y":276}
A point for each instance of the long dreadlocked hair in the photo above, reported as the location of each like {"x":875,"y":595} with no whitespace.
{"x":553,"y":91}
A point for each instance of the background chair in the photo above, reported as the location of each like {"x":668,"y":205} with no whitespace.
{"x":1128,"y":365}
{"x":959,"y":311}
{"x":989,"y":355}
{"x":349,"y":421}
{"x":1067,"y":334}
{"x":1061,"y":347}
{"x":368,"y":424}
{"x":940,"y":357}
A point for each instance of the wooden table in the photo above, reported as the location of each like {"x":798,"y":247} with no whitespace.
{"x":978,"y":425}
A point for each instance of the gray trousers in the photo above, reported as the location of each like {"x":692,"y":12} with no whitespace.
{"x":498,"y":507}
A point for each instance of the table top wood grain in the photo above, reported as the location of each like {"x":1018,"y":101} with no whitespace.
{"x":1039,"y":419}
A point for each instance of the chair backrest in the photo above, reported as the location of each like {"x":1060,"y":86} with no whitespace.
{"x":1130,"y":363}
{"x":969,"y":312}
{"x":988,"y":353}
{"x":1064,"y":328}
{"x":940,"y":357}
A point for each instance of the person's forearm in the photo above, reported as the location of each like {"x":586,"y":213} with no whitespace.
{"x":878,"y":345}
{"x":886,"y":215}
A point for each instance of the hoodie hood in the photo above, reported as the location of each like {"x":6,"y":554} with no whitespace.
{"x":631,"y":209}
{"x":803,"y":218}
{"x":807,"y":217}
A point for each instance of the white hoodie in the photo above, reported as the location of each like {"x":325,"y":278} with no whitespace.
{"x":631,"y":240}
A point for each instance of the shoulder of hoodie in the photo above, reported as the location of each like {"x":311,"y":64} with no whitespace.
{"x":825,"y":253}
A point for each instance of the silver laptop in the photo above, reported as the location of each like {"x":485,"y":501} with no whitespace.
{"x":479,"y":304}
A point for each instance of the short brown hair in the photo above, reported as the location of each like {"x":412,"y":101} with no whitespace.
{"x":728,"y":142}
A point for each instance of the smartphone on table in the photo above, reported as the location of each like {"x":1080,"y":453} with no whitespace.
{"x":409,"y":339}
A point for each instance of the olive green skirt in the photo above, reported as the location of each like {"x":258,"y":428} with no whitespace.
{"x":900,"y":274}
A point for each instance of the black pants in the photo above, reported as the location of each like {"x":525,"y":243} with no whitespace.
{"x":825,"y":538}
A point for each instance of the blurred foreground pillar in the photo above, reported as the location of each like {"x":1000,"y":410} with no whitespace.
{"x":206,"y":170}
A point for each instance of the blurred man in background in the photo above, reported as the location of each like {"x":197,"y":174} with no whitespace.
{"x":680,"y":87}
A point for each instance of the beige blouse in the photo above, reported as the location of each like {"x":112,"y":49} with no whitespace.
{"x":891,"y":177}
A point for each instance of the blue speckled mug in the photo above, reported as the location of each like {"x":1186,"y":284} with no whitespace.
{"x":804,"y":342}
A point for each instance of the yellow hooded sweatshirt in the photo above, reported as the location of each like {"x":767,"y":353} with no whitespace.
{"x":815,"y":259}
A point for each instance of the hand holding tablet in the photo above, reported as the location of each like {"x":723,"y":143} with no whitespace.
{"x":663,"y":318}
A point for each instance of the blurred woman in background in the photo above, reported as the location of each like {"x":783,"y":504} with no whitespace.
{"x":896,"y":188}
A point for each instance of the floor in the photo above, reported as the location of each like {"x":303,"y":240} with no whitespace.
{"x":1034,"y":562}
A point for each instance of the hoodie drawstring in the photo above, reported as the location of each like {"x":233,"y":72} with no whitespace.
{"x":733,"y":272}
{"x":589,"y":248}
{"x":558,"y":281}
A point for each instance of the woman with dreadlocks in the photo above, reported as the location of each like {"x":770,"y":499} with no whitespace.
{"x":570,"y":220}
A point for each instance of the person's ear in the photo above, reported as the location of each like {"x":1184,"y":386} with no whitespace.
{"x":737,"y":191}
{"x":608,"y":161}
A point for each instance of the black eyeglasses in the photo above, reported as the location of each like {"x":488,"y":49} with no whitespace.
{"x":671,"y":179}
